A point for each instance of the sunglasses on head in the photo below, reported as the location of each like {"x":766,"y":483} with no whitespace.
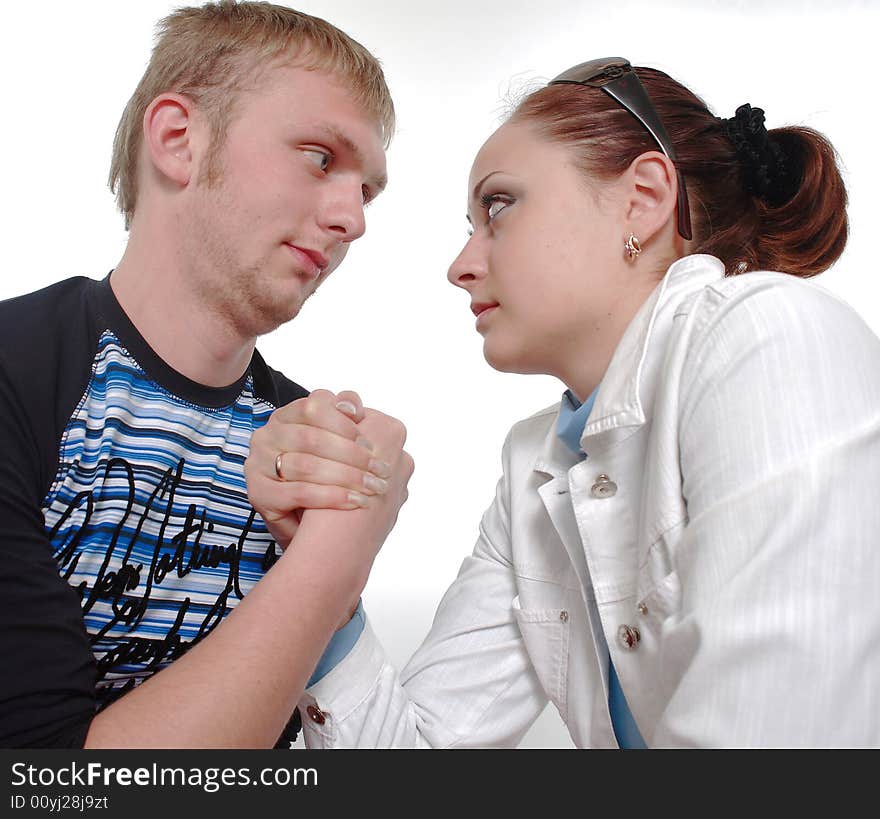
{"x":617,"y":78}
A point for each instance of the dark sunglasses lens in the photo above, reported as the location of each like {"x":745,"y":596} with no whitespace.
{"x":592,"y":70}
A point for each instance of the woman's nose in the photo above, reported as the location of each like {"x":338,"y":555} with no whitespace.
{"x":469,"y":266}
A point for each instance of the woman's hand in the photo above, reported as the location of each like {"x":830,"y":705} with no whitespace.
{"x":350,"y":540}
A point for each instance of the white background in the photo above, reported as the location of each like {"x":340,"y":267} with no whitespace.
{"x":387,"y":323}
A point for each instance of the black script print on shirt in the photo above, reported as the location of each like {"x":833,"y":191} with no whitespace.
{"x":130,"y":587}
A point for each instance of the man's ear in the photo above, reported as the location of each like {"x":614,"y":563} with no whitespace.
{"x":169,"y":137}
{"x":652,"y":193}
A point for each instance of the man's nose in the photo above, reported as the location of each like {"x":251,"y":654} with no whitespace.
{"x":344,"y":214}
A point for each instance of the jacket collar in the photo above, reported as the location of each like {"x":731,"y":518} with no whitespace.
{"x":626,"y":393}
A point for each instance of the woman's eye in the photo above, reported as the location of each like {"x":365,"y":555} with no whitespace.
{"x":496,"y":207}
{"x":318,"y":157}
{"x":494,"y":204}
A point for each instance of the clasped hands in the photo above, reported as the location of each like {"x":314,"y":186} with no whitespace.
{"x":328,"y":463}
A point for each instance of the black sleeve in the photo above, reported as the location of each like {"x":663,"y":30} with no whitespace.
{"x":273,"y":386}
{"x":47,"y":672}
{"x":47,"y":675}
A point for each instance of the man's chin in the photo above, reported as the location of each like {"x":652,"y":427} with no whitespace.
{"x":275,"y":316}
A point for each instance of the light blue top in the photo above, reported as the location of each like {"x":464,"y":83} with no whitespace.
{"x":341,"y":643}
{"x":573,"y":417}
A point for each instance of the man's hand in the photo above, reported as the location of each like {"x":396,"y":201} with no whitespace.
{"x":313,"y":453}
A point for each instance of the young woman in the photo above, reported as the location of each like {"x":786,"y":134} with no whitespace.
{"x":684,"y":552}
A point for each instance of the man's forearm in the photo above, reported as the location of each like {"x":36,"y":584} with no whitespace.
{"x":239,"y":686}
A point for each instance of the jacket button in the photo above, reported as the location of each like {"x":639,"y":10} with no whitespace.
{"x":643,"y":609}
{"x":628,"y":637}
{"x":563,"y":615}
{"x":315,"y":714}
{"x":603,"y":488}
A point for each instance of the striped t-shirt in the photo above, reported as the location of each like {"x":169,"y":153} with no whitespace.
{"x":126,"y":533}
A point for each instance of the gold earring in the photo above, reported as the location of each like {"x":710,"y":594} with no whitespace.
{"x":631,"y":247}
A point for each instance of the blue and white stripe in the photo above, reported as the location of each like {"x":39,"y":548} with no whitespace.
{"x":137,"y":466}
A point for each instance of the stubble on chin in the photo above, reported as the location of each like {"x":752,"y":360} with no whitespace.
{"x":242,"y":296}
{"x":254,"y":307}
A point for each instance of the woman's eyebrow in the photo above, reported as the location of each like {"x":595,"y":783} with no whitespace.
{"x":476,"y":191}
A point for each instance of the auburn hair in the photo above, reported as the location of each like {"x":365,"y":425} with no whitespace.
{"x":803,"y":236}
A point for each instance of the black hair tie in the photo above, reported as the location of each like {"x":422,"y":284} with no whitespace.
{"x":768,"y":172}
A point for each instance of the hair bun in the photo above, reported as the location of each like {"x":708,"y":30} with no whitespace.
{"x":769,"y":172}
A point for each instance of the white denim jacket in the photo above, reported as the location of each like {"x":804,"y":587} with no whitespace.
{"x":729,"y":559}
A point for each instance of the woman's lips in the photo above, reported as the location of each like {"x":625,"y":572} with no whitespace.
{"x":482,"y":310}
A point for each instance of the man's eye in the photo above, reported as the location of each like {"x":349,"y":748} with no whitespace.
{"x":320,"y":158}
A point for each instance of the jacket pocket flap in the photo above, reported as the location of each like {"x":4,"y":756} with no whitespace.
{"x":545,"y":633}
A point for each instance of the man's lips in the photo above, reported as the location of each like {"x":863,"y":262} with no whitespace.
{"x":314,"y":261}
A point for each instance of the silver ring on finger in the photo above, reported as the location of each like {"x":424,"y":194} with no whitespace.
{"x":278,"y":471}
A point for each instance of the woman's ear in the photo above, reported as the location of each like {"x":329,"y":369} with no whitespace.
{"x":168,"y":137}
{"x":652,"y":193}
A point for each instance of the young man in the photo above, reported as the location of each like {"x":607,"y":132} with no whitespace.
{"x":128,"y":544}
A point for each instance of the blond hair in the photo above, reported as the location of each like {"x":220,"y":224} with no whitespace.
{"x":207,"y":53}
